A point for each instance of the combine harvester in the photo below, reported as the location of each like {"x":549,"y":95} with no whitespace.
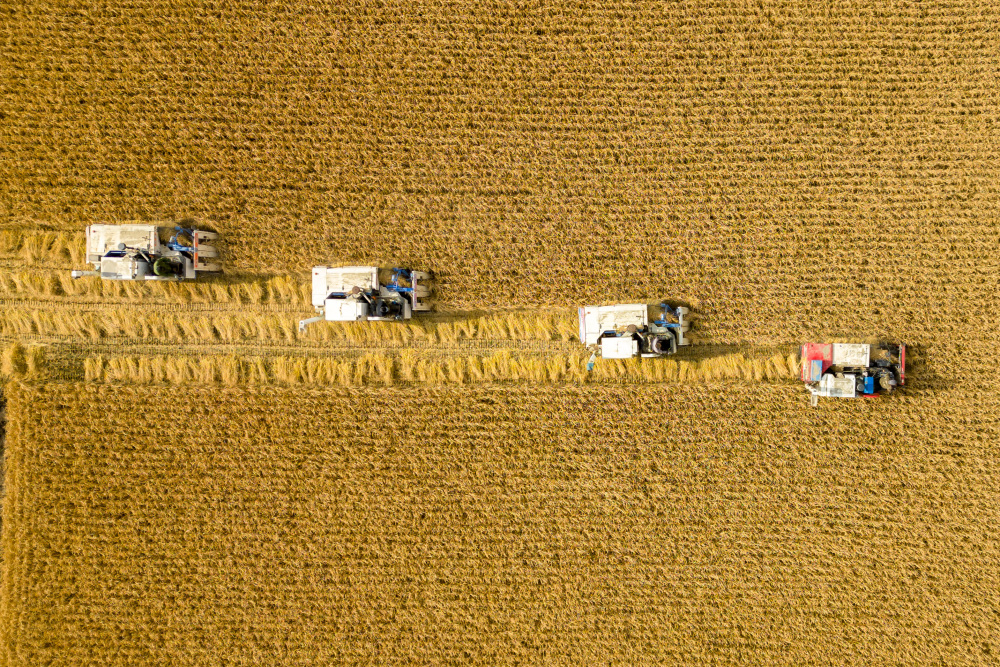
{"x":847,"y":370}
{"x":362,"y":293}
{"x":149,"y":252}
{"x":624,"y":331}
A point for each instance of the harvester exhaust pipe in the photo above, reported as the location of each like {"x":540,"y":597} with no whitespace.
{"x":81,"y":274}
{"x":304,"y":323}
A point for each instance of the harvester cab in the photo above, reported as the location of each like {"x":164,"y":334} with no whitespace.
{"x":623,"y":331}
{"x":362,"y":293}
{"x":848,"y":370}
{"x":149,"y":252}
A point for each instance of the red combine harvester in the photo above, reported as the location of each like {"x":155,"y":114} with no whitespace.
{"x":847,"y":370}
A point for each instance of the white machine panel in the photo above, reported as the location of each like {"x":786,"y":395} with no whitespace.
{"x":837,"y":387}
{"x":623,"y":347}
{"x":345,"y":310}
{"x":119,"y":268}
{"x":102,"y":238}
{"x":851,"y":354}
{"x":342,"y":279}
{"x":594,"y":320}
{"x":319,"y":290}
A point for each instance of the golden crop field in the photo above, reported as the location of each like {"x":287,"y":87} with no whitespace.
{"x":779,"y":164}
{"x":497,"y":524}
{"x":189,"y":479}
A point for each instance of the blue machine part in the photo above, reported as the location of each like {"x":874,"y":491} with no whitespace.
{"x":662,"y":322}
{"x":394,"y":285}
{"x":816,"y":370}
{"x":869,"y":385}
{"x":173,"y":244}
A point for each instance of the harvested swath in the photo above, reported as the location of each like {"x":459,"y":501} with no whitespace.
{"x":379,"y":368}
{"x":238,"y":289}
{"x":227,"y":327}
{"x":54,"y":248}
{"x":19,"y":361}
{"x":13,"y":361}
{"x":447,"y":328}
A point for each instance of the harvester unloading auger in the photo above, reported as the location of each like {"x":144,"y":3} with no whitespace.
{"x":359,"y":293}
{"x":139,"y":252}
{"x":623,"y":331}
{"x":847,"y":370}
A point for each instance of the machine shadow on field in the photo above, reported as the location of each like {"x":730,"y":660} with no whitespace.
{"x":921,"y":375}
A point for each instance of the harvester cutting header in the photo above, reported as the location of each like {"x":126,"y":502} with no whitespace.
{"x":623,"y":331}
{"x":847,"y":370}
{"x":359,"y":293}
{"x":149,"y":252}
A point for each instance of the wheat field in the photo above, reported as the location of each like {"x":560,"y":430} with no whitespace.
{"x":497,"y":525}
{"x":191,"y":480}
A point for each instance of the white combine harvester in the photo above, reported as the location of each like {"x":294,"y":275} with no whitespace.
{"x":847,"y":370}
{"x":359,"y":293}
{"x":149,"y":252}
{"x":623,"y":331}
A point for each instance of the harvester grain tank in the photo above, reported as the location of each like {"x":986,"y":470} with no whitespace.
{"x":149,"y":252}
{"x":366,"y":293}
{"x":623,"y":331}
{"x":849,"y":370}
